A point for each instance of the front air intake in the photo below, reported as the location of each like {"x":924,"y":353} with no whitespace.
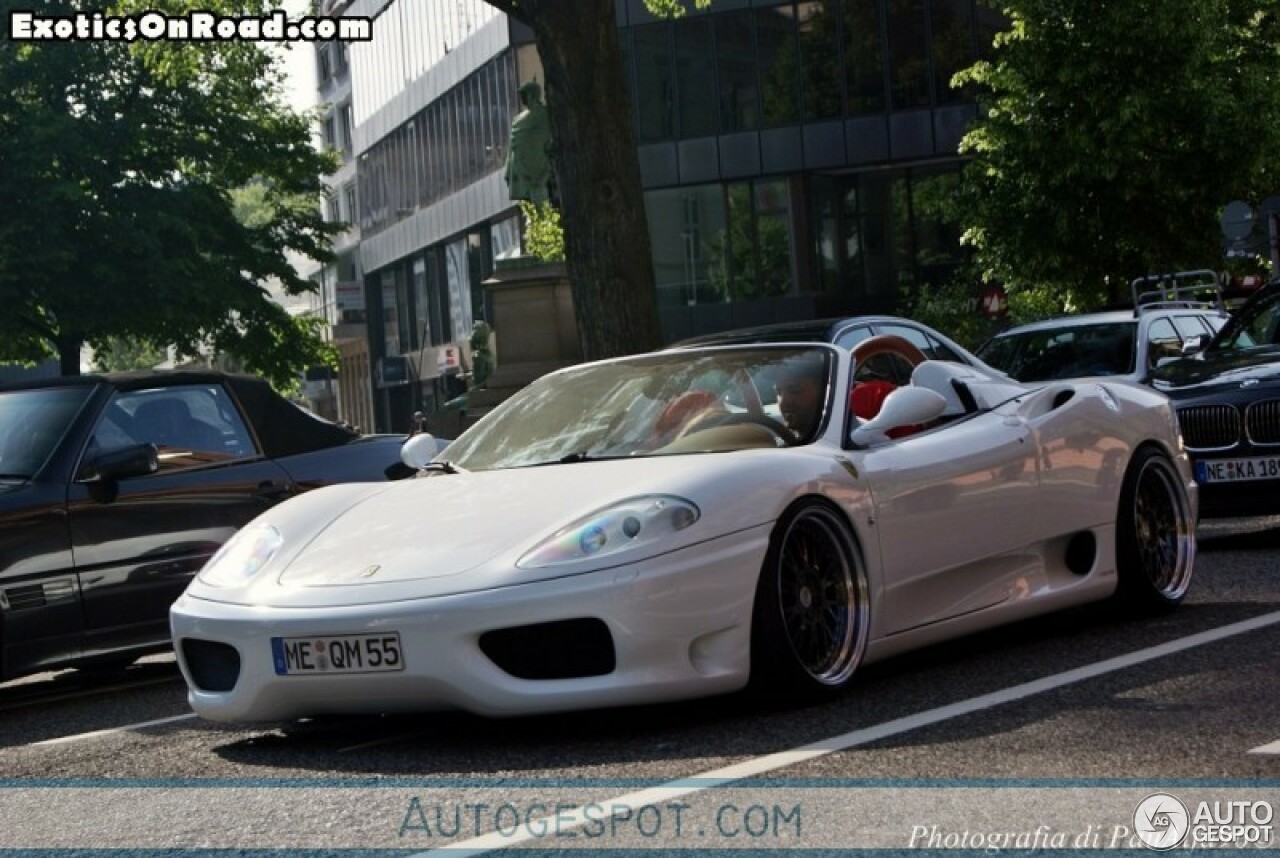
{"x":1082,"y":550}
{"x":564,"y":649}
{"x":213,"y":666}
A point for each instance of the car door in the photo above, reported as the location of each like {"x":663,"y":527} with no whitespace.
{"x":976,"y":482}
{"x":138,"y":541}
{"x":40,"y":616}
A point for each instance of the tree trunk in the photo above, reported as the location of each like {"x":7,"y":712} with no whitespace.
{"x":69,"y":355}
{"x":602,"y":205}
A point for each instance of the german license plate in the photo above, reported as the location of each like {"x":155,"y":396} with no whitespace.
{"x":371,"y":653}
{"x":1238,"y":470}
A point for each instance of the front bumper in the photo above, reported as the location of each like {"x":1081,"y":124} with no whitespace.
{"x":680,"y":626}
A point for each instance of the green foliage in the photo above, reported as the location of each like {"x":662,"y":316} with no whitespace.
{"x":118,"y":164}
{"x":126,"y":353}
{"x":1111,"y":135}
{"x":543,"y":237}
{"x":673,"y":8}
{"x":952,"y":307}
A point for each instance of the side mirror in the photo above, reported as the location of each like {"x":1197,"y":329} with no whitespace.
{"x":136,"y":460}
{"x":1195,"y":345}
{"x":906,"y":406}
{"x":419,"y":450}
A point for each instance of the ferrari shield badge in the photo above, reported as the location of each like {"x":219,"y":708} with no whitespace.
{"x":848,"y":466}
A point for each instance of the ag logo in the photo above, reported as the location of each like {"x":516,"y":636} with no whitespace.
{"x":1161,"y":821}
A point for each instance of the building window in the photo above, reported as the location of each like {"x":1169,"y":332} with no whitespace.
{"x":351,"y":215}
{"x":908,"y":55}
{"x":655,"y":95}
{"x":329,"y":131}
{"x":773,"y":237}
{"x":736,"y":72}
{"x":779,"y":66}
{"x":819,"y":46}
{"x":863,"y":57}
{"x":340,"y":63}
{"x":687,"y":227}
{"x":345,"y":126}
{"x":951,"y":26}
{"x":324,"y":66}
{"x":695,"y":77}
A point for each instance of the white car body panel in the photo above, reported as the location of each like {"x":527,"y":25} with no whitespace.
{"x":960,"y":528}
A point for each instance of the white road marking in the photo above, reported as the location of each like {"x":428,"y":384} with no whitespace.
{"x":126,"y":728}
{"x":760,"y":765}
{"x":1273,"y":748}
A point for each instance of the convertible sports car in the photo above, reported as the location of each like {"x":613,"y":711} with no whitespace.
{"x":668,"y":526}
{"x":115,"y":489}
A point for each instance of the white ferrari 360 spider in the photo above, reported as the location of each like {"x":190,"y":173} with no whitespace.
{"x":662,"y":526}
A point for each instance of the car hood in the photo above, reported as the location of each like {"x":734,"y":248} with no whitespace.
{"x":452,"y":533}
{"x":1225,"y":368}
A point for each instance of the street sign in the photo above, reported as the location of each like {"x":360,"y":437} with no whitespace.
{"x":994,"y":301}
{"x":1236,"y":220}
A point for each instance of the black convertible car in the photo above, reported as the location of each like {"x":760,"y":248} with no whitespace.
{"x":115,"y":489}
{"x":1227,"y":396}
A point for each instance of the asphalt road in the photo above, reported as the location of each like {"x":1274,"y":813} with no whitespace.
{"x":1043,"y":735}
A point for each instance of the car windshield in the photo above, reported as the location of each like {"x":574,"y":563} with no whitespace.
{"x":32,"y":422}
{"x":1070,"y":351}
{"x":1255,"y":324}
{"x":687,"y":401}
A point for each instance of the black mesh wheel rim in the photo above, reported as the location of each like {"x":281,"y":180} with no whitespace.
{"x":1163,"y":531}
{"x":822,"y":597}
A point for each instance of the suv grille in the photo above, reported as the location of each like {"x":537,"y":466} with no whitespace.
{"x":1209,"y":427}
{"x":1262,"y":419}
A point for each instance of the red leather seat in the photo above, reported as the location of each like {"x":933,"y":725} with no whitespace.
{"x":866,"y":399}
{"x":868,"y":396}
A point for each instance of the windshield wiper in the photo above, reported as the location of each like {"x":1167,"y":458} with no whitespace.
{"x":444,"y":466}
{"x":15,"y":476}
{"x":573,"y":459}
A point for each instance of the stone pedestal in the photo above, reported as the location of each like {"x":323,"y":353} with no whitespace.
{"x":534,"y":328}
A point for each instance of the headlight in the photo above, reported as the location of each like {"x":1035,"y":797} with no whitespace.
{"x":622,"y":527}
{"x":242,"y":557}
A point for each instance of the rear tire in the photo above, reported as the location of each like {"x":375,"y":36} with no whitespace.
{"x":1155,"y":535}
{"x":812,"y":611}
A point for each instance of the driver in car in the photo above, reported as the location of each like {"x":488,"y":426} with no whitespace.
{"x":799,"y":387}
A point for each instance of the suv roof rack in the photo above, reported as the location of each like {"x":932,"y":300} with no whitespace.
{"x":1183,"y":289}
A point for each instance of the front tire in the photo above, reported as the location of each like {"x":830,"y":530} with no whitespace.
{"x":1155,"y":535}
{"x":812,"y":610}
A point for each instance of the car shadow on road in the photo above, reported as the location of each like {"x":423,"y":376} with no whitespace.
{"x":674,"y":739}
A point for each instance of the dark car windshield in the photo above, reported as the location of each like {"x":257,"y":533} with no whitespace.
{"x":1069,"y":351}
{"x":32,"y":422}
{"x":686,"y":401}
{"x":1255,"y":324}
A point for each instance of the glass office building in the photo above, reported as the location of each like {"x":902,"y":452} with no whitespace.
{"x":791,"y":154}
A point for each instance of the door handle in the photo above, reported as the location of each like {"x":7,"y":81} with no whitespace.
{"x":271,"y":490}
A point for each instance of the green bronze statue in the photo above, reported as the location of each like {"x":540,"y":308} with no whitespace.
{"x":481,"y":354}
{"x":528,"y":171}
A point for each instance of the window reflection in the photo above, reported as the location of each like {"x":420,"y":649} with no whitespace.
{"x":736,"y":67}
{"x":696,"y":77}
{"x":779,"y":64}
{"x":908,"y":57}
{"x":819,"y":47}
